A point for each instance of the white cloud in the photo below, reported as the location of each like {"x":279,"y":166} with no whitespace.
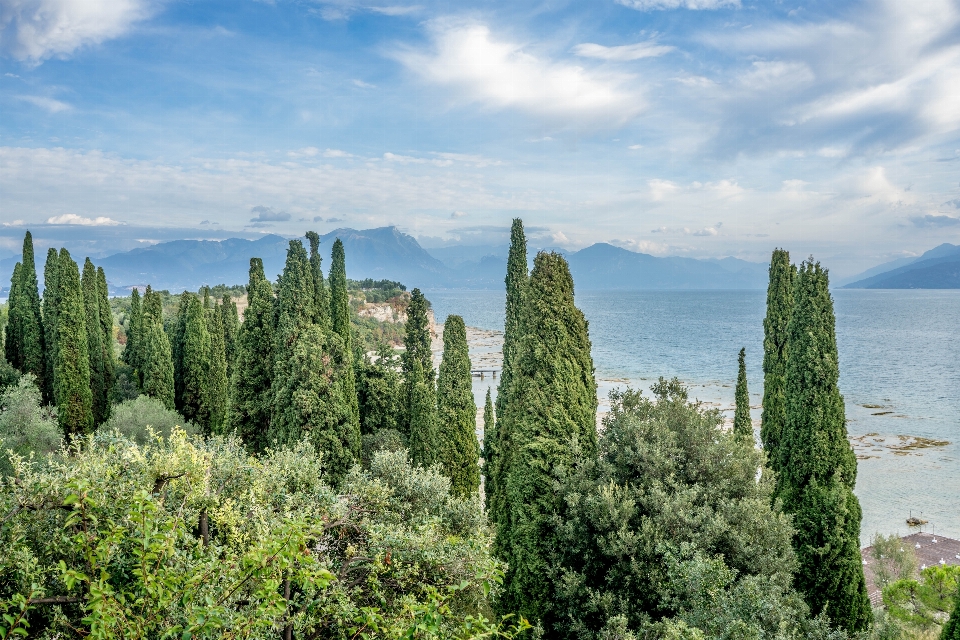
{"x":34,"y":30}
{"x":650,"y":5}
{"x":774,"y":74}
{"x":362,"y":84}
{"x":72,"y":218}
{"x":622,"y":53}
{"x":660,"y":189}
{"x":14,"y":223}
{"x":501,"y":74}
{"x":458,"y":214}
{"x":48,"y":104}
{"x":336,"y":153}
{"x":634,"y":147}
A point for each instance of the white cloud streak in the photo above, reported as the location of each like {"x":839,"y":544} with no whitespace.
{"x":622,"y":53}
{"x":500,"y":74}
{"x":47,"y":104}
{"x":33,"y":30}
{"x":651,"y":5}
{"x":72,"y":218}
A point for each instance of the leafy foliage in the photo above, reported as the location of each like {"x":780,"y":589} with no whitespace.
{"x":922,"y":603}
{"x":459,"y":450}
{"x":155,"y":357}
{"x":96,"y":348}
{"x":669,"y":531}
{"x":144,"y":418}
{"x":216,"y":387}
{"x":51,"y":294}
{"x":191,"y":538}
{"x":425,"y":438}
{"x":25,"y":425}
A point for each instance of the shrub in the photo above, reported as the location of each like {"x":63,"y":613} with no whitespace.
{"x":380,"y":440}
{"x":25,"y":426}
{"x":135,"y":418}
{"x":187,"y":537}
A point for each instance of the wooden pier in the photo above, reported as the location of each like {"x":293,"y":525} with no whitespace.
{"x":480,"y":373}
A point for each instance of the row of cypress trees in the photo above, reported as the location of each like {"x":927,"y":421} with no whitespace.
{"x":805,"y":437}
{"x":66,"y":341}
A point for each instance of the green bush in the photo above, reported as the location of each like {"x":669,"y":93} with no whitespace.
{"x":380,"y":440}
{"x":135,"y":418}
{"x":194,"y":538}
{"x":25,"y":426}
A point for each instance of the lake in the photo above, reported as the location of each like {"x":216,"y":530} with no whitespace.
{"x":899,"y":374}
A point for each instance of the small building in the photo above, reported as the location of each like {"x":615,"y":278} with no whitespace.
{"x":930,"y":549}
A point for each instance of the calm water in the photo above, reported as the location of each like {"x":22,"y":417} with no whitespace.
{"x":899,"y":356}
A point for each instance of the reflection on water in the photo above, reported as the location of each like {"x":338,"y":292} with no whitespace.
{"x":899,"y":363}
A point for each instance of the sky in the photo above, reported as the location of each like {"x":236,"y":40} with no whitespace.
{"x":700,"y":128}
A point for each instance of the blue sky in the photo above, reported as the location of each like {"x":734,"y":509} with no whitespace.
{"x":703,"y":128}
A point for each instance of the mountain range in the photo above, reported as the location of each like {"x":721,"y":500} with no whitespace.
{"x":387,"y":253}
{"x":938,"y":268}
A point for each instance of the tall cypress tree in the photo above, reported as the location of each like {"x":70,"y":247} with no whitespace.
{"x":422,"y":411}
{"x":176,"y":347}
{"x":553,"y":376}
{"x":312,"y":401}
{"x":134,"y":332}
{"x":72,"y":360}
{"x":775,"y":354}
{"x":13,"y":342}
{"x":294,"y":314}
{"x":321,"y":301}
{"x":195,"y":364}
{"x":106,"y":324}
{"x":489,"y":426}
{"x":231,"y":326}
{"x":155,"y":357}
{"x":742,"y":424}
{"x":51,"y":291}
{"x":417,"y":353}
{"x":251,"y":387}
{"x":516,"y":282}
{"x":818,"y":465}
{"x":340,"y":319}
{"x":457,"y":412}
{"x":216,"y":399}
{"x":95,"y":347}
{"x":31,"y":320}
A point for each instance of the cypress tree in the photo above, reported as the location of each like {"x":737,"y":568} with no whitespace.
{"x":251,"y":392}
{"x":195,"y":364}
{"x":312,"y":401}
{"x":553,"y":406}
{"x":457,"y":412}
{"x":422,"y":412}
{"x":339,"y":298}
{"x":294,"y":314}
{"x":951,"y":630}
{"x":106,"y":323}
{"x":742,"y":424}
{"x":321,"y":302}
{"x":176,"y":348}
{"x":30,"y":319}
{"x":72,"y":360}
{"x":95,"y":348}
{"x":51,"y":272}
{"x":216,"y":399}
{"x":134,"y":333}
{"x":155,"y":357}
{"x":379,"y":390}
{"x":818,"y":465}
{"x":489,"y":426}
{"x":12,"y":336}
{"x":516,"y":282}
{"x":231,"y":326}
{"x":416,"y":352}
{"x":340,"y":319}
{"x":775,"y":326}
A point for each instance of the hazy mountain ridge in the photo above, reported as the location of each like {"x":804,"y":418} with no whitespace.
{"x":388,"y":253}
{"x":938,"y":268}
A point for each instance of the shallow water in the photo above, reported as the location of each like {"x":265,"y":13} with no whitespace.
{"x":899,"y":373}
